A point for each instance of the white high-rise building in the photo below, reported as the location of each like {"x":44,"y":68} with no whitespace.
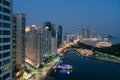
{"x":32,"y":45}
{"x":6,"y":39}
{"x":53,"y":45}
{"x":39,"y":45}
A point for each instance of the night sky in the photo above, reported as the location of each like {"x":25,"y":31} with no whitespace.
{"x":103,"y":16}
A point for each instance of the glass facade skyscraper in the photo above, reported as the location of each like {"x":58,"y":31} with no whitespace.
{"x":5,"y":39}
{"x":59,"y":35}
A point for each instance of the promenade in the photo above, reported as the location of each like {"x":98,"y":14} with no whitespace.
{"x":41,"y":74}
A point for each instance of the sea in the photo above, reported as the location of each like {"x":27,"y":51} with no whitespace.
{"x":115,"y":40}
{"x":88,"y":69}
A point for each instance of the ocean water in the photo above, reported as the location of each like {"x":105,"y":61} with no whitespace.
{"x":88,"y":69}
{"x":115,"y":40}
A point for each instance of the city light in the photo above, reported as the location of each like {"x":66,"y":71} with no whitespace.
{"x":82,"y":46}
{"x":27,"y":29}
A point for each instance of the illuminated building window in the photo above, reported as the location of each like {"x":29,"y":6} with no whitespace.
{"x":6,"y":68}
{"x":14,"y":60}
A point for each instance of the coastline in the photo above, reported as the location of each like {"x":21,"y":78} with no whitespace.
{"x":103,"y":56}
{"x":107,"y":60}
{"x":47,"y":76}
{"x":114,"y":61}
{"x":95,"y":57}
{"x":102,"y":59}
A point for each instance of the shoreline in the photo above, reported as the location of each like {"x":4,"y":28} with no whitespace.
{"x":47,"y":76}
{"x":106,"y":60}
{"x":100,"y":58}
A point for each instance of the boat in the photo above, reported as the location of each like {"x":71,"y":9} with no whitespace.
{"x":64,"y":71}
{"x":64,"y":66}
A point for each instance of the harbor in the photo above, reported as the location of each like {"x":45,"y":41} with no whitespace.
{"x":87,"y":68}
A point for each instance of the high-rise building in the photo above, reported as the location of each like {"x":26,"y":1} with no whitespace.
{"x":6,"y":39}
{"x":50,"y":32}
{"x":88,"y":32}
{"x":59,"y":35}
{"x":19,"y":22}
{"x":47,"y":31}
{"x":47,"y":26}
{"x":42,"y":47}
{"x":33,"y":45}
{"x":64,"y":37}
{"x":38,"y":45}
{"x":53,"y":40}
{"x":83,"y":31}
{"x":68,"y":37}
{"x":78,"y":36}
{"x":53,"y":46}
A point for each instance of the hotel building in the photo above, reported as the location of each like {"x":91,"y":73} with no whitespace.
{"x":32,"y":45}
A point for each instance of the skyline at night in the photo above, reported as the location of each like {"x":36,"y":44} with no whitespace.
{"x":59,"y":39}
{"x":103,"y":16}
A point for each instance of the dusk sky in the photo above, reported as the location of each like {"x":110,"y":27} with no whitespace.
{"x":103,"y":16}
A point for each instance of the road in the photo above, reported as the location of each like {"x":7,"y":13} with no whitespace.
{"x":40,"y":74}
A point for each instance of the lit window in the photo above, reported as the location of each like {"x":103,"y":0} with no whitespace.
{"x":6,"y":68}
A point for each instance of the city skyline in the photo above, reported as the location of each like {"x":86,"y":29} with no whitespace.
{"x":99,"y":14}
{"x":46,"y":40}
